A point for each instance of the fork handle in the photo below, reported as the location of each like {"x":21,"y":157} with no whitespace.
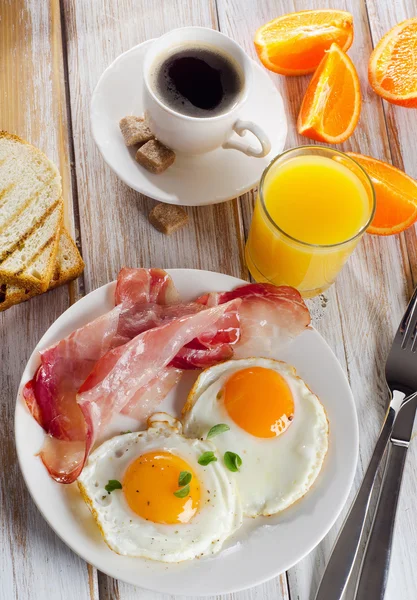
{"x":344,"y":552}
{"x":373,"y":576}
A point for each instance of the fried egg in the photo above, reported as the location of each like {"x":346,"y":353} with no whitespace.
{"x":151,"y":498}
{"x":275,"y":424}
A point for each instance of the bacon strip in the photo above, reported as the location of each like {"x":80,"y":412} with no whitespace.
{"x":148,"y":353}
{"x":141,"y":317}
{"x":62,"y":459}
{"x":144,"y":286}
{"x":202,"y":358}
{"x":117,"y":379}
{"x":213,"y":346}
{"x":50,"y":396}
{"x":270,"y":316}
{"x":51,"y":393}
{"x":148,"y":397}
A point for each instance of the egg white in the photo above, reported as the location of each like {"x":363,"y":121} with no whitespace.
{"x":218,"y":516}
{"x":277,"y":471}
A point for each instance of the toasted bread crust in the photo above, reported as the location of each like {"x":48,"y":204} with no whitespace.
{"x":62,"y":274}
{"x":28,"y":214}
{"x":23,"y":278}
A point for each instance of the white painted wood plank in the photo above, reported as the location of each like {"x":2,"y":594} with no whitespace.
{"x":367,"y":301}
{"x":34,"y":563}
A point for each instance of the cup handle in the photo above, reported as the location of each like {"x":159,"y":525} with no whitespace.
{"x":241,"y":127}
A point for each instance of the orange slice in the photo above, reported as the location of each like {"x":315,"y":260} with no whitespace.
{"x":396,"y":196}
{"x":392,"y":68}
{"x":332,"y":102}
{"x":295,"y":44}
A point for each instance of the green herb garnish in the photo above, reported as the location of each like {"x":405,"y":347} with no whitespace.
{"x":184,"y":478}
{"x":113,"y":485}
{"x":182,"y":492}
{"x":123,"y":432}
{"x":216,"y":429}
{"x":184,"y":483}
{"x":206,"y":458}
{"x":232,"y":461}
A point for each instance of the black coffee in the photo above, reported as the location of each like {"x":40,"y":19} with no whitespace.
{"x":198,"y":81}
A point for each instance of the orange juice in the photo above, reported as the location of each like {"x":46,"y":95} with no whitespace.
{"x":313,"y":205}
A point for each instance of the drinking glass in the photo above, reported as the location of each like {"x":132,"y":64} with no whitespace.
{"x":274,"y":256}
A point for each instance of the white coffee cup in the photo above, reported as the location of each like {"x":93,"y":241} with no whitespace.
{"x":196,"y":135}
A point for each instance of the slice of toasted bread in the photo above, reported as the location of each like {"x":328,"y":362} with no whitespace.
{"x":68,"y":266}
{"x":31,"y":213}
{"x":23,"y":267}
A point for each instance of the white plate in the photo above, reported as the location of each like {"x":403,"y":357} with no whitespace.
{"x":263,"y":547}
{"x":192,"y":180}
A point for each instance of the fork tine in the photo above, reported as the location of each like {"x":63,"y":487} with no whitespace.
{"x":408,"y":324}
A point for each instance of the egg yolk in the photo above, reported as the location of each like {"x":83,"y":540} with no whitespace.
{"x":259,"y":401}
{"x":149,"y":485}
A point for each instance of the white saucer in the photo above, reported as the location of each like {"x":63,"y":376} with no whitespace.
{"x":192,"y":181}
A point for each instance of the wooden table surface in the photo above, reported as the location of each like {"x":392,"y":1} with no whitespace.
{"x":52,"y":53}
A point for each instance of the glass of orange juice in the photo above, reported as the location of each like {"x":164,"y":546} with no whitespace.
{"x":314,"y":204}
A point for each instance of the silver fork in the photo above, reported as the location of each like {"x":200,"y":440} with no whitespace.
{"x":401,"y":378}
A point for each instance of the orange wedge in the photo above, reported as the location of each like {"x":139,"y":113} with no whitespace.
{"x":392,"y":68}
{"x":396,"y":196}
{"x":332,"y":103}
{"x":295,"y":44}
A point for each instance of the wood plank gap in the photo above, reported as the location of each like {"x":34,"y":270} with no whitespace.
{"x":108,"y":588}
{"x":216,"y":9}
{"x":345,"y":352}
{"x":240,"y":228}
{"x":71,"y":151}
{"x":287,"y":581}
{"x":93,"y":582}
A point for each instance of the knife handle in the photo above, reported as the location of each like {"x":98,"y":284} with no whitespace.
{"x":373,"y":575}
{"x":340,"y":565}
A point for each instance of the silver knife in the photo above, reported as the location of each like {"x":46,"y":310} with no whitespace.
{"x":373,"y":577}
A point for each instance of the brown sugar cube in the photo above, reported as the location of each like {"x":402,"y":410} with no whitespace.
{"x":135,"y":130}
{"x":155,"y":157}
{"x":167,"y":218}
